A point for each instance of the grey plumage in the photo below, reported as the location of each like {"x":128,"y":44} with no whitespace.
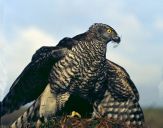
{"x":75,"y":66}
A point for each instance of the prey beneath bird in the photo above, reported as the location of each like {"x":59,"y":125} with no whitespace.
{"x":75,"y":67}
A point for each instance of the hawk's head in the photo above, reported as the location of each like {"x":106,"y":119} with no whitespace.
{"x":104,"y":32}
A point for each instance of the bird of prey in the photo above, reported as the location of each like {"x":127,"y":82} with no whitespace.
{"x":76,"y":66}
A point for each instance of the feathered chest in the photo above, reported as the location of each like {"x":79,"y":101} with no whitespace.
{"x":80,"y":69}
{"x":89,"y":59}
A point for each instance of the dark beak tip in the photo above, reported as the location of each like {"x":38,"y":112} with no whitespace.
{"x":117,"y":39}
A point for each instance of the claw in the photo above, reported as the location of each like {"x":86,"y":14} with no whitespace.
{"x":74,"y":114}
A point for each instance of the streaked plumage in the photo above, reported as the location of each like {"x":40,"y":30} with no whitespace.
{"x":120,"y":101}
{"x":75,"y":66}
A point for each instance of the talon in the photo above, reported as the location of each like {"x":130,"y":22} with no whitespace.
{"x":73,"y":114}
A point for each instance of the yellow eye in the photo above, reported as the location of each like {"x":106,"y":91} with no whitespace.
{"x":109,"y":30}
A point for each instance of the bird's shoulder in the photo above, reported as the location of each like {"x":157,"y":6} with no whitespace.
{"x":67,"y":42}
{"x":43,"y":52}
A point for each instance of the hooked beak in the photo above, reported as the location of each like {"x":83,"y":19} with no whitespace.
{"x":116,"y":39}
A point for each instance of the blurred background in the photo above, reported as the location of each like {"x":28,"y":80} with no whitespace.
{"x":25,"y":26}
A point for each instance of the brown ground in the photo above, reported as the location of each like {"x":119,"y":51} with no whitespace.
{"x":153,"y":117}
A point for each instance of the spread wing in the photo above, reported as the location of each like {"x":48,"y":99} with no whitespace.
{"x":120,"y":87}
{"x":120,"y":83}
{"x":34,"y":78}
{"x":120,"y":101}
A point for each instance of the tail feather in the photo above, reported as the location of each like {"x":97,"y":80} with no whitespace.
{"x":128,"y":111}
{"x":30,"y":115}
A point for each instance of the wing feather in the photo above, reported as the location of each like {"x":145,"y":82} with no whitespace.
{"x":34,"y":78}
{"x":120,"y":101}
{"x":120,"y":83}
